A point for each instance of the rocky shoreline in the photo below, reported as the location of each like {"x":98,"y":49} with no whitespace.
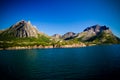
{"x":43,"y":47}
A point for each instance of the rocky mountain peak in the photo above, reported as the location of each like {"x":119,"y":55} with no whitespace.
{"x":94,"y":31}
{"x":56,"y":36}
{"x":22,"y":29}
{"x":69,"y":35}
{"x":96,"y":28}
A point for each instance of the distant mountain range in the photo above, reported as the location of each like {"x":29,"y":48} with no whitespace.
{"x":96,"y":33}
{"x":25,"y":32}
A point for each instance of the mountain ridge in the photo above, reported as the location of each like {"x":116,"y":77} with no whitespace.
{"x":23,"y":33}
{"x":96,"y":34}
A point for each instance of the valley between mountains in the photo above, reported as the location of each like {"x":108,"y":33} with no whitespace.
{"x":23,"y":35}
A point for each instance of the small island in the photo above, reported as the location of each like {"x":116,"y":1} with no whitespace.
{"x":23,"y":35}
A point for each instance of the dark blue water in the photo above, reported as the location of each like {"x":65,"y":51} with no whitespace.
{"x":88,"y":63}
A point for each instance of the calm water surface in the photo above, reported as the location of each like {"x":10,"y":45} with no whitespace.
{"x":88,"y":63}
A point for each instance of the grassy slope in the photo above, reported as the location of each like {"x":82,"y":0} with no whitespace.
{"x":105,"y":38}
{"x":9,"y":41}
{"x":102,"y":38}
{"x":6,"y":40}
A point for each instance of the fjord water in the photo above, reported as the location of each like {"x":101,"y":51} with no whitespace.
{"x":87,"y":63}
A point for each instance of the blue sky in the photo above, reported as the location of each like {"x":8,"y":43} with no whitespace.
{"x":61,"y":16}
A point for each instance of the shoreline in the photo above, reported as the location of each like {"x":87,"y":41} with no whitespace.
{"x":48,"y":47}
{"x":44,"y":47}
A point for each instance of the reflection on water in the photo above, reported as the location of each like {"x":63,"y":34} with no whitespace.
{"x":97,"y":62}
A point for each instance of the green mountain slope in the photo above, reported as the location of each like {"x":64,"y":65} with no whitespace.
{"x":96,"y":35}
{"x":23,"y":34}
{"x":105,"y":38}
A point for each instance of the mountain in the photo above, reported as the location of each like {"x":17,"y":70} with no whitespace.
{"x":94,"y":34}
{"x":69,"y":35}
{"x":92,"y":31}
{"x":21,"y":29}
{"x":23,"y":33}
{"x":98,"y":34}
{"x":57,"y":36}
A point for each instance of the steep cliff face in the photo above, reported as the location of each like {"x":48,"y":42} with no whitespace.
{"x":21,"y":29}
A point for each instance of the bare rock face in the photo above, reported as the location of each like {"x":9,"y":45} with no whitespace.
{"x":69,"y":35}
{"x":22,"y":29}
{"x":93,"y":31}
{"x":96,"y":29}
{"x":57,"y":36}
